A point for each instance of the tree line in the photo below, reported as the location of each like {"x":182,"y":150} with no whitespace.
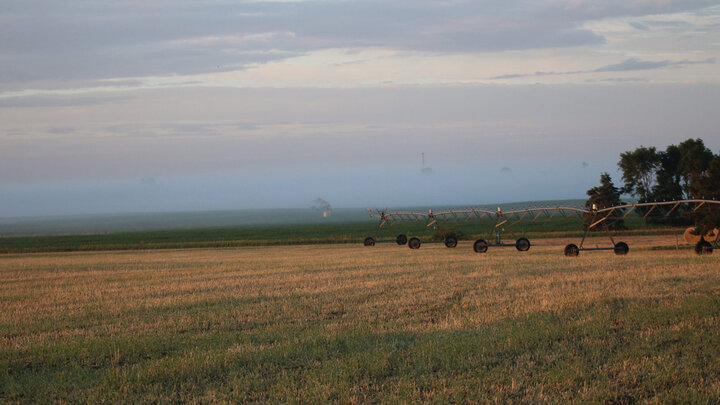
{"x":689,"y":170}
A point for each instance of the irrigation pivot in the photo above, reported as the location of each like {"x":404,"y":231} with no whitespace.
{"x":601,"y":217}
{"x":598,"y":219}
{"x":503,"y":222}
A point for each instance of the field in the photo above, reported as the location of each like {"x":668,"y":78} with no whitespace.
{"x":233,"y":219}
{"x":300,"y":234}
{"x":320,"y":323}
{"x":273,"y":227}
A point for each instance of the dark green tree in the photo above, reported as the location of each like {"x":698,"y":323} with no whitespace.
{"x":668,"y":176}
{"x":639,"y":169}
{"x":604,"y":196}
{"x":708,"y":187}
{"x":695,"y":159}
{"x":679,"y":172}
{"x":668,"y":187}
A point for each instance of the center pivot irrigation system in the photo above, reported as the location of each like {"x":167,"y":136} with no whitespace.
{"x":597,"y":219}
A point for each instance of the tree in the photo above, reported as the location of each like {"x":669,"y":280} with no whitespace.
{"x":668,"y":176}
{"x":604,"y":196}
{"x":668,"y":187}
{"x":708,"y":186}
{"x":695,"y":159}
{"x":679,"y":172}
{"x":639,"y":168}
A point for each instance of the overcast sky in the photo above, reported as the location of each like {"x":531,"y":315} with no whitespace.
{"x":155,"y":105}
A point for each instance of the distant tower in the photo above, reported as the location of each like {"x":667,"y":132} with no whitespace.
{"x":424,"y":169}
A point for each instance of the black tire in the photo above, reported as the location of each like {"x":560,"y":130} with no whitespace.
{"x":522,"y":245}
{"x":450,"y":241}
{"x":703,"y":247}
{"x":480,"y":246}
{"x":572,"y":250}
{"x":401,"y":239}
{"x":414,"y":243}
{"x":369,"y":241}
{"x":621,"y":248}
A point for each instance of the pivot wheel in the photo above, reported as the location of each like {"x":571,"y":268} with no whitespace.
{"x":703,"y":247}
{"x":414,"y":243}
{"x":369,"y":241}
{"x":450,"y":241}
{"x":401,"y":239}
{"x":572,"y":250}
{"x":522,"y":245}
{"x":621,"y":248}
{"x":480,"y":246}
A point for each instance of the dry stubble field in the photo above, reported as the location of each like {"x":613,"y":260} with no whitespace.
{"x":353,"y":324}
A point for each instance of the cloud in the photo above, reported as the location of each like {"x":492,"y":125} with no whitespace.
{"x":669,"y":24}
{"x":179,"y":130}
{"x":639,"y":26}
{"x":37,"y":101}
{"x":537,"y":74}
{"x":166,"y":130}
{"x":627,"y":65}
{"x":70,"y":39}
{"x":618,"y":80}
{"x":13,"y":132}
{"x":634,"y":64}
{"x":61,"y":130}
{"x":648,"y":25}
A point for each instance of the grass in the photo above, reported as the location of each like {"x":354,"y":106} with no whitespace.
{"x":351,"y":324}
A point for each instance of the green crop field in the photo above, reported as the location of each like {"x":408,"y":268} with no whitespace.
{"x":224,"y":229}
{"x":333,"y":232}
{"x":345,"y":323}
{"x":194,"y":220}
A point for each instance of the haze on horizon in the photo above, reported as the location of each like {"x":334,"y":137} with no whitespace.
{"x":161,"y":105}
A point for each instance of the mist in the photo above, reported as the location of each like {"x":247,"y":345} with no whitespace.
{"x":361,"y":188}
{"x":257,"y":148}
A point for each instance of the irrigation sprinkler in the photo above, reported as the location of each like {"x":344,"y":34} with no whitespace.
{"x":521,"y":244}
{"x":602,"y":217}
{"x":389,"y":219}
{"x":504,"y":221}
{"x":599,"y":219}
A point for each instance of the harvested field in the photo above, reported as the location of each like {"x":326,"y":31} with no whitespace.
{"x":351,"y":324}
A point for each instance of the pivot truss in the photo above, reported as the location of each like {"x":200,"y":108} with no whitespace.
{"x":596,"y":219}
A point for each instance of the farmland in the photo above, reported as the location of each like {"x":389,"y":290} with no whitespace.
{"x":334,"y":232}
{"x":341,"y":322}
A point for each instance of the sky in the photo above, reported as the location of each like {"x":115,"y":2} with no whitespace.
{"x":155,"y":105}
